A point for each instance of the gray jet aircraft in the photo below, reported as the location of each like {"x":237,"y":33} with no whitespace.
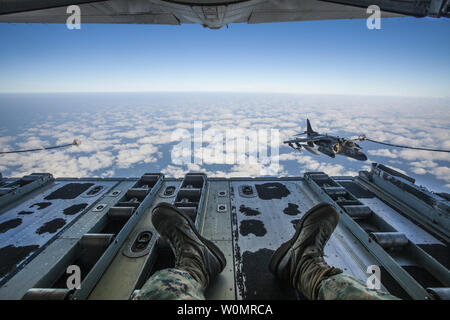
{"x":329,"y":145}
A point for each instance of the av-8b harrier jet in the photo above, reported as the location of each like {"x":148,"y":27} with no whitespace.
{"x":329,"y":145}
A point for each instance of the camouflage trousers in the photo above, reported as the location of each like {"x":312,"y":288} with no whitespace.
{"x":171,"y":284}
{"x":175,"y":284}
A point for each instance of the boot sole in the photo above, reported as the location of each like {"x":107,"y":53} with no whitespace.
{"x":279,"y":254}
{"x":209,"y":244}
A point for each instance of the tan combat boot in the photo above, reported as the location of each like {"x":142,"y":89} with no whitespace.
{"x":300,"y":260}
{"x":193,"y":253}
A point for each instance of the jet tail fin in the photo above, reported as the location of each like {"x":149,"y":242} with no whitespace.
{"x":309,"y":130}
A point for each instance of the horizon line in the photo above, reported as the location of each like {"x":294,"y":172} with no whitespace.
{"x":225,"y":91}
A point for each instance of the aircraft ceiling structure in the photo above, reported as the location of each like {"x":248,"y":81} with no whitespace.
{"x":212,"y":13}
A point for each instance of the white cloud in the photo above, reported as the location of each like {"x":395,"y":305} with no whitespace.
{"x":144,"y":154}
{"x":4,"y":143}
{"x":116,"y":138}
{"x":289,"y":156}
{"x":424,"y":164}
{"x":32,"y":143}
{"x":423,"y":155}
{"x":310,"y":164}
{"x":419,"y":170}
{"x":174,"y":171}
{"x":132,"y":134}
{"x":100,"y":160}
{"x":383,"y":153}
{"x":441,"y":173}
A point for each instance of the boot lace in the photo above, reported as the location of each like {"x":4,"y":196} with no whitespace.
{"x":322,"y":238}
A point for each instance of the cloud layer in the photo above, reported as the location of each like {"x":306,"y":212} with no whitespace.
{"x":139,"y":137}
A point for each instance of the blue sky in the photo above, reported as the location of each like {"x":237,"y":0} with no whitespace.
{"x":407,"y":57}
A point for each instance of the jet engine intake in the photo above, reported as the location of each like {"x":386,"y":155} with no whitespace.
{"x":337,"y":147}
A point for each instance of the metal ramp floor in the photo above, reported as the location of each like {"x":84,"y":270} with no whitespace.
{"x":113,"y":241}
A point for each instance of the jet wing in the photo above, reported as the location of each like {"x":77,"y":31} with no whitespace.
{"x":210,"y":13}
{"x":312,"y":139}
